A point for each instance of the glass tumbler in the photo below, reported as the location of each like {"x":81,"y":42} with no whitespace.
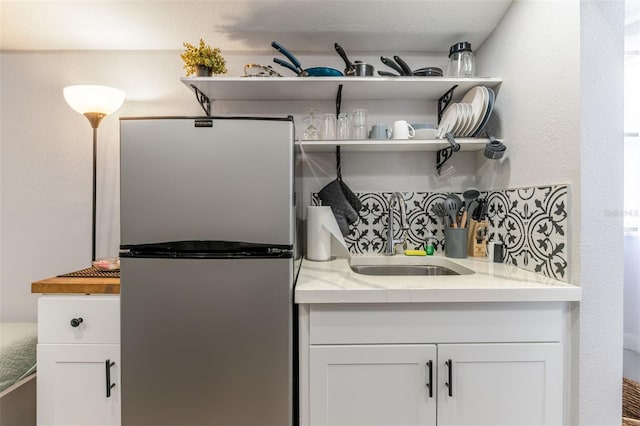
{"x":344,"y":127}
{"x":311,"y":132}
{"x":359,"y":124}
{"x":328,"y":127}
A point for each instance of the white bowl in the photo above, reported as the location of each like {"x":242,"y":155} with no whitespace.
{"x":425,"y":134}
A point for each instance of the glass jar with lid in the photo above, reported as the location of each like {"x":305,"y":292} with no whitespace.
{"x":462,"y":62}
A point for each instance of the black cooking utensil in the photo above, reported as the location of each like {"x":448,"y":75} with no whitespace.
{"x":405,"y":68}
{"x":356,"y":68}
{"x":350,"y":70}
{"x":428,"y":72}
{"x":387,"y":74}
{"x":388,"y":62}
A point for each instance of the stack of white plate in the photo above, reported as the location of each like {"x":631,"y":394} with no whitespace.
{"x":468,"y":117}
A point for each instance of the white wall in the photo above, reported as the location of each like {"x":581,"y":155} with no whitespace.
{"x":46,"y":160}
{"x":561,"y":117}
{"x":601,"y":271}
{"x":538,"y":106}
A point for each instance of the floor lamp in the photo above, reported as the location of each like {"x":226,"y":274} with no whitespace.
{"x":95,"y":103}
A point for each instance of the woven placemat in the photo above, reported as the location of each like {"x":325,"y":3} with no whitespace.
{"x":92,"y":273}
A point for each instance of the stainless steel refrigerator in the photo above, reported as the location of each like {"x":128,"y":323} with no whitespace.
{"x":208,"y":263}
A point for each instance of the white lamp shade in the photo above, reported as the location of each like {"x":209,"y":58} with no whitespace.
{"x":97,"y":99}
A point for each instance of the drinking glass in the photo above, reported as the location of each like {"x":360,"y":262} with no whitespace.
{"x":359,"y":123}
{"x":328,"y":127}
{"x":311,"y":133}
{"x":344,"y":127}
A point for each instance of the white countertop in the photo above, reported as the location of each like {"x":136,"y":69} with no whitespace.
{"x":334,"y":282}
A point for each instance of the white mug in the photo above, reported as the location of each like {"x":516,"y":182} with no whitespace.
{"x":402,"y":130}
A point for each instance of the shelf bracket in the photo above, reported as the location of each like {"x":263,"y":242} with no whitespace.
{"x":446,"y":153}
{"x":338,"y":100}
{"x":203,"y":100}
{"x":444,"y":102}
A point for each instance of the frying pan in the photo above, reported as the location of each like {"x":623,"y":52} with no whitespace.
{"x":358,"y":68}
{"x":403,"y":69}
{"x":296,"y":67}
{"x":388,"y":62}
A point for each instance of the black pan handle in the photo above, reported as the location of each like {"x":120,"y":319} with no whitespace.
{"x":285,"y":64}
{"x":387,"y":74}
{"x":388,"y":62}
{"x":405,"y":67}
{"x":343,"y":55}
{"x":280,"y":48}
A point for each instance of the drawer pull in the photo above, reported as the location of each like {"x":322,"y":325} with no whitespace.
{"x":430,"y":378}
{"x":449,"y":384}
{"x":76,"y":322}
{"x":108,"y":364}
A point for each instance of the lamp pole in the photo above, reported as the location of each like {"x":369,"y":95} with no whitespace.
{"x":93,"y":203}
{"x":95,"y":103}
{"x":94,"y":118}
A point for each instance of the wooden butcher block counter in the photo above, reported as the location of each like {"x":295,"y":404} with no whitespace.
{"x":85,"y":281}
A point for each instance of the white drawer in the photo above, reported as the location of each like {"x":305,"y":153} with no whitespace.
{"x":382,"y":323}
{"x":100,"y":319}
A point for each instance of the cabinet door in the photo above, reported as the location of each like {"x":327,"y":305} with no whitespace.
{"x":372,"y":385}
{"x":72,"y":385}
{"x":500,"y":384}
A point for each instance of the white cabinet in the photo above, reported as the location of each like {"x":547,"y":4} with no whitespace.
{"x":372,"y":385}
{"x":78,"y":361}
{"x":439,"y":364}
{"x":73,"y":382}
{"x":500,"y":384}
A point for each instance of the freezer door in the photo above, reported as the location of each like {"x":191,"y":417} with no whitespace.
{"x":206,"y":342}
{"x":181,"y":180}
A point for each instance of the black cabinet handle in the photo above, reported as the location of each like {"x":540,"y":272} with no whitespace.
{"x":76,"y":322}
{"x":108,"y":364}
{"x":430,"y":378}
{"x":449,"y":384}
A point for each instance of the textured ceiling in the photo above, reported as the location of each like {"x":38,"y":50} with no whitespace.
{"x":248,"y":25}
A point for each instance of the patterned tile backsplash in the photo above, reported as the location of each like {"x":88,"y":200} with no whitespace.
{"x":531,"y":222}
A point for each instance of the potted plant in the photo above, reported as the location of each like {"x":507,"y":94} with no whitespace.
{"x":202,"y":60}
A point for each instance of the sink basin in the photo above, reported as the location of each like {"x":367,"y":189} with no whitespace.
{"x":402,"y":270}
{"x":406,"y":266}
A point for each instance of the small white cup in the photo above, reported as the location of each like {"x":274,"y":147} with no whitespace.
{"x":402,"y":130}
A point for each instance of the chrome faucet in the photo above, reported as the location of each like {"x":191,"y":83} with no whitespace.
{"x":396,"y":198}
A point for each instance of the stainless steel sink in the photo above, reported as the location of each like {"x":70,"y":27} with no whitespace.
{"x":402,"y":270}
{"x":406,"y":266}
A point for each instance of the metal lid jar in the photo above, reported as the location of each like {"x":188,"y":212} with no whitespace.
{"x":462,"y":61}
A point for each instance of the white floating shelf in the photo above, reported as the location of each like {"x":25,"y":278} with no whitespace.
{"x":325,"y":88}
{"x":390,"y":145}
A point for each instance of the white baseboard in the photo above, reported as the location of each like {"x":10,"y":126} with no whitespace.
{"x":632,"y":342}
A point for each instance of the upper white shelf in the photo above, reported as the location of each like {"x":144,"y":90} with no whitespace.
{"x":325,"y":88}
{"x":390,"y":145}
